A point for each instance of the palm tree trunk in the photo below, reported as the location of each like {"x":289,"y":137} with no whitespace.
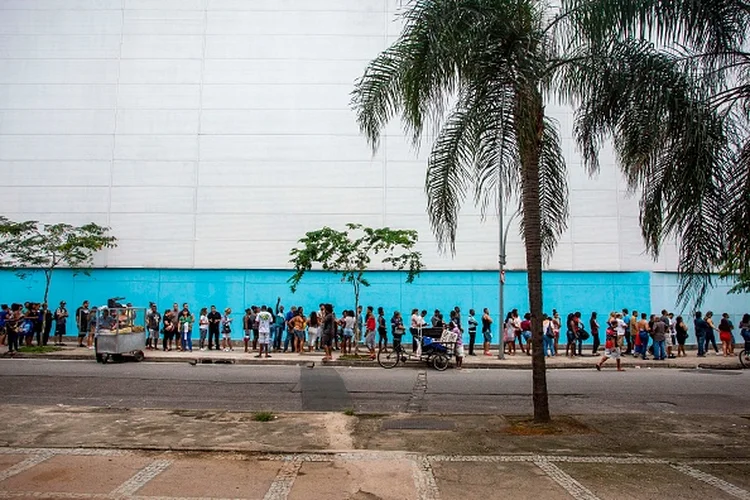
{"x":529,"y":119}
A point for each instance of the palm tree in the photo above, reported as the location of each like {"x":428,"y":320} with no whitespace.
{"x":481,"y":71}
{"x":691,"y":162}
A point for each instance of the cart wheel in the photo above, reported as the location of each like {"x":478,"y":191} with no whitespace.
{"x":138,"y":355}
{"x":388,"y":359}
{"x":440,"y":362}
{"x":105,"y":358}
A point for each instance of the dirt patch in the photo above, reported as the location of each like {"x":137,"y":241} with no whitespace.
{"x":519,"y":426}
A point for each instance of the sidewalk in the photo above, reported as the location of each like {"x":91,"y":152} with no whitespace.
{"x":519,"y":361}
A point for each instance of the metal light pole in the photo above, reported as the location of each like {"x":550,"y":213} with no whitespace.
{"x":502,"y":260}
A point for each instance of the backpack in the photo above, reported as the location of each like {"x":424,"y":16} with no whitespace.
{"x":550,"y":331}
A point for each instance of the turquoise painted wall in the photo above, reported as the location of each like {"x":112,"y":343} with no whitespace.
{"x":565,"y":291}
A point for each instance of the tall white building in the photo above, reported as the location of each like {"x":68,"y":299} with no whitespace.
{"x":211,"y":134}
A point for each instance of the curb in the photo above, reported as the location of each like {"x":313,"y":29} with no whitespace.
{"x":197,"y":360}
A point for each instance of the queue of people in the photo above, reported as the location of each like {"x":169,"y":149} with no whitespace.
{"x":269,"y":329}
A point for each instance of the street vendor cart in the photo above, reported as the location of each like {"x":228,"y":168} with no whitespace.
{"x":120,"y":331}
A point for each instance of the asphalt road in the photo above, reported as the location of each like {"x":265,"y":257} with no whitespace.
{"x":368,"y":390}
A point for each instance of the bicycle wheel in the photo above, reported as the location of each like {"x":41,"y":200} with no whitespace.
{"x":388,"y":359}
{"x":440,"y":362}
{"x":745,"y":359}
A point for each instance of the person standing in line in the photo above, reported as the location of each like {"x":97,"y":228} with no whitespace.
{"x":280,"y":321}
{"x":669,"y":320}
{"x":397,"y":330}
{"x":169,"y":330}
{"x":509,"y":331}
{"x":745,"y":331}
{"x":725,"y":335}
{"x":659,"y":334}
{"x":175,"y":317}
{"x":572,"y":326}
{"x":349,"y":323}
{"x":701,"y":330}
{"x":628,"y":340}
{"x":203,"y":328}
{"x":681,"y":333}
{"x":82,"y":321}
{"x":254,"y":310}
{"x":632,"y":333}
{"x":46,"y":325}
{"x":731,"y":332}
{"x":414,"y":326}
{"x":382,"y":331}
{"x":436,"y":320}
{"x":247,"y":328}
{"x":313,"y":331}
{"x":264,"y":318}
{"x":457,"y":318}
{"x":153,"y":323}
{"x":298,"y":327}
{"x":226,"y":330}
{"x":329,"y":330}
{"x":526,"y":333}
{"x":556,"y":328}
{"x":710,"y":335}
{"x":214,"y":324}
{"x":4,"y":312}
{"x":289,"y":337}
{"x":13,"y":327}
{"x":594,"y":326}
{"x":370,"y":327}
{"x":548,"y":339}
{"x":61,"y":319}
{"x":644,"y":329}
{"x":473,"y":323}
{"x":487,"y":331}
{"x":186,"y":330}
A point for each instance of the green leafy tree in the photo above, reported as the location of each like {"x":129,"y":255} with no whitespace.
{"x":349,"y":253}
{"x":29,"y":245}
{"x":481,"y":72}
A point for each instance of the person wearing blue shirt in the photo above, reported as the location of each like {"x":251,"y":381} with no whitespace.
{"x":701,"y":330}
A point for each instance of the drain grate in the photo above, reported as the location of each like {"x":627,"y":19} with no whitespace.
{"x":419,"y":424}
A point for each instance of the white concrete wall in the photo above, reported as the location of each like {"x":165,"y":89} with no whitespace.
{"x":214,"y":133}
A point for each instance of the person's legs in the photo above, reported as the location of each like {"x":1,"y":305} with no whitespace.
{"x":472,"y":340}
{"x":595,"y":346}
{"x":413,"y":332}
{"x":630,"y":341}
{"x":644,"y":344}
{"x":580,"y":347}
{"x":701,"y":342}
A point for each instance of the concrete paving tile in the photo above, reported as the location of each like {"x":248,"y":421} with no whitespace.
{"x":640,"y":482}
{"x":214,"y":477}
{"x":8,"y":461}
{"x":736,"y":474}
{"x":70,"y":474}
{"x":382,"y":479}
{"x":519,"y":481}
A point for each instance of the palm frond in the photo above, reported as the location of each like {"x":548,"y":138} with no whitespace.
{"x":553,"y":188}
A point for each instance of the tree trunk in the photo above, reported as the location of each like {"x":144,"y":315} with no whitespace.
{"x":356,"y":317}
{"x":529,"y":119}
{"x":48,"y":281}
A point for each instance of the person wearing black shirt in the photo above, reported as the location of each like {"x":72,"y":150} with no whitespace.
{"x":472,"y":331}
{"x":82,"y":321}
{"x":214,"y":321}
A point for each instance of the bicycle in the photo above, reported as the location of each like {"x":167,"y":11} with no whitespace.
{"x":745,"y":356}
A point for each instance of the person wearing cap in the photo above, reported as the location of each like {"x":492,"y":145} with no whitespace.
{"x":61,"y":318}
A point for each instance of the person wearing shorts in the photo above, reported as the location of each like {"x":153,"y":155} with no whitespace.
{"x":329,"y":329}
{"x":299,"y":324}
{"x":370,"y":326}
{"x":611,"y":348}
{"x":313,"y":330}
{"x":264,"y":319}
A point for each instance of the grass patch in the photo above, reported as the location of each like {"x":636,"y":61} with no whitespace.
{"x":263,"y":416}
{"x":355,"y":357}
{"x":349,"y":412}
{"x":39,"y":349}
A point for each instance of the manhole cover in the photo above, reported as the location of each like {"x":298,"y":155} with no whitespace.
{"x":419,"y":424}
